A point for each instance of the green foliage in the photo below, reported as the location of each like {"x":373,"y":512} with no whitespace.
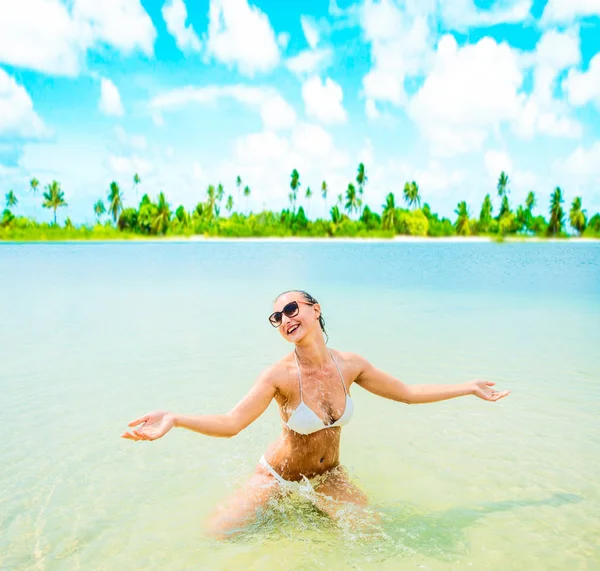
{"x":7,"y":218}
{"x":507,"y":224}
{"x":411,"y":194}
{"x":593,"y":227}
{"x":154,"y":217}
{"x":128,"y":220}
{"x":462,"y":222}
{"x":371,"y":220}
{"x":577,"y":216}
{"x":557,"y":215}
{"x":412,"y":223}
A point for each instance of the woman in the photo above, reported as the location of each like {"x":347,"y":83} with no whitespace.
{"x":311,"y":385}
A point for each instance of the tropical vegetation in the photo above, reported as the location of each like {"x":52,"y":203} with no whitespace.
{"x":219,"y":213}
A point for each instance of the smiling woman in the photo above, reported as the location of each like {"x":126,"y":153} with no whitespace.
{"x":311,"y":386}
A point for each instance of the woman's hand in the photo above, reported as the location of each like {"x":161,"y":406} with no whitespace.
{"x":153,"y":426}
{"x":483,"y":390}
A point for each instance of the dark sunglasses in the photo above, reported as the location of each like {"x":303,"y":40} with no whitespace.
{"x":290,"y":310}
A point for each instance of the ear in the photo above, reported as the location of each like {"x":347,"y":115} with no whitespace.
{"x":317,"y":309}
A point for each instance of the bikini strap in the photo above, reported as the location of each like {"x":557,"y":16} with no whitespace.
{"x":299,"y":376}
{"x":340,"y":372}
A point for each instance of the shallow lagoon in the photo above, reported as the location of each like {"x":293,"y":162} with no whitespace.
{"x":95,"y":334}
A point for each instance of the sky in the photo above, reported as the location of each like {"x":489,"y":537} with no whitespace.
{"x":188,"y":93}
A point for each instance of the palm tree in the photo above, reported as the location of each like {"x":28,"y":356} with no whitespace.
{"x":530,"y":201}
{"x":340,"y":199}
{"x":11,"y":199}
{"x":389,"y":213}
{"x":462,"y":222}
{"x":557,"y":214}
{"x":504,"y":207}
{"x":486,"y":209}
{"x":99,"y":209}
{"x":577,"y":216}
{"x":411,"y":194}
{"x":136,"y":183}
{"x":502,"y":184}
{"x":294,"y":185}
{"x":352,"y":203}
{"x":218,"y":199}
{"x":324,"y":191}
{"x":211,"y":199}
{"x":361,"y":178}
{"x":54,"y":197}
{"x":115,"y":201}
{"x":33,"y":184}
{"x":229,"y":204}
{"x":336,"y":215}
{"x":160,"y":223}
{"x":308,"y":197}
{"x":238,"y":184}
{"x":247,"y":192}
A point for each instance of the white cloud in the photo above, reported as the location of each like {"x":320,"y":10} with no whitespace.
{"x":40,"y":35}
{"x":123,"y":24}
{"x":584,"y":87}
{"x":283,"y":39}
{"x":541,"y":111}
{"x":240,"y":34}
{"x":110,"y":100}
{"x":265,"y":160}
{"x":127,"y":166}
{"x":312,"y":140}
{"x":323,"y":100}
{"x":473,"y":90}
{"x":371,"y":109}
{"x":496,"y":162}
{"x":275,"y":112}
{"x":17,"y":116}
{"x":311,"y":33}
{"x":47,"y":36}
{"x":137,"y":142}
{"x":175,"y":15}
{"x":309,"y":61}
{"x":584,"y":162}
{"x":465,"y":96}
{"x":258,"y":147}
{"x":401,"y":46}
{"x":565,"y":11}
{"x":464,"y":14}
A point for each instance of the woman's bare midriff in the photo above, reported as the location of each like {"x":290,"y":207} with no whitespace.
{"x":295,"y":455}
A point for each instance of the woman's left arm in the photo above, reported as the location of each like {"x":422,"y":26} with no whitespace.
{"x":384,"y":385}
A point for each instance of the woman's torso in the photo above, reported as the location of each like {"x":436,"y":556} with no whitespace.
{"x":295,"y":455}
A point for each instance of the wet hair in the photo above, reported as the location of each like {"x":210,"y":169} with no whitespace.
{"x":311,"y":301}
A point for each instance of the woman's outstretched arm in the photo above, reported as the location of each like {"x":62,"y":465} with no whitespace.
{"x":156,"y":424}
{"x":385,"y":385}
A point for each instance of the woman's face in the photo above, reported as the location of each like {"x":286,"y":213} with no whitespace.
{"x":294,"y":329}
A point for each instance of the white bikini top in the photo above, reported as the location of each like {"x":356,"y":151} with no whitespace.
{"x":305,"y":421}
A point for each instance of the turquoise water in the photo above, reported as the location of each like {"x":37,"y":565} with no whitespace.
{"x":93,"y":335}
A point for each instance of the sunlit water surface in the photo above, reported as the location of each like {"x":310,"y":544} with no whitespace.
{"x":93,"y":335}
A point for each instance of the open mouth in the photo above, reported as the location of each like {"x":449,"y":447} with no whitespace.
{"x":293,"y":328}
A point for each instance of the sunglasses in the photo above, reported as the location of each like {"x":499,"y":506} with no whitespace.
{"x":290,"y":310}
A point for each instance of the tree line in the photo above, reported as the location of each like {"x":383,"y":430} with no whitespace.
{"x":222,"y":214}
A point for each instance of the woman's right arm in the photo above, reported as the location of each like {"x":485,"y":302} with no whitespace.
{"x":157,"y":424}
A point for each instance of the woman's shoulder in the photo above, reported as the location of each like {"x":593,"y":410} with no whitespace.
{"x":352,"y":362}
{"x":279,"y":372}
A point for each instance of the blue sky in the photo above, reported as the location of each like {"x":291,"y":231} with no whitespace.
{"x":192,"y":92}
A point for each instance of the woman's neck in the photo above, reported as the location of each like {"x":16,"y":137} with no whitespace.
{"x":313,"y":353}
